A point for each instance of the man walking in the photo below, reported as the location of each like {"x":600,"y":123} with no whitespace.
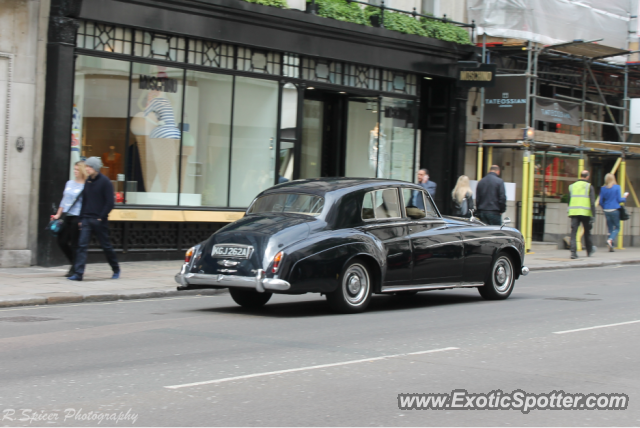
{"x":429,"y":186}
{"x":97,"y":202}
{"x":491,"y":199}
{"x":582,"y":209}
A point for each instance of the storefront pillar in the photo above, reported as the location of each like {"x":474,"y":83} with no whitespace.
{"x":58,"y":111}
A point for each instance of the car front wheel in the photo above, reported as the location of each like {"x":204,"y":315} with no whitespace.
{"x":499,"y":283}
{"x":249,"y":299}
{"x":354,"y":293}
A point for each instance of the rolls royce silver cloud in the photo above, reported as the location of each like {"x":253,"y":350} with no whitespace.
{"x":348,"y":239}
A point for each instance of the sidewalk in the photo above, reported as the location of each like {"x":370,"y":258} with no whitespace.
{"x":141,"y":280}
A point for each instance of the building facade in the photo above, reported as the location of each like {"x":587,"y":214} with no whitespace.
{"x":195,"y":107}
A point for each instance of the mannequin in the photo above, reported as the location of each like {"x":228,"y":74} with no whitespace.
{"x":111,"y":160}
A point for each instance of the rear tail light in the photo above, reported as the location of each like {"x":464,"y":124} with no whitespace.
{"x":189,"y":255}
{"x":276,"y":262}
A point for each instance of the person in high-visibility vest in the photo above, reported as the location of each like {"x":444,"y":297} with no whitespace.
{"x":582,"y":210}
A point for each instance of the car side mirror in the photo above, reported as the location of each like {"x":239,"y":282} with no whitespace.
{"x":505,"y":222}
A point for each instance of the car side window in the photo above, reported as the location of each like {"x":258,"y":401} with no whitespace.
{"x":417,"y":204}
{"x":412,"y":203}
{"x":381,"y":204}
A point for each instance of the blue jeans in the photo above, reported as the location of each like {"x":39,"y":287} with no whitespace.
{"x":613,"y":224}
{"x":101,"y":230}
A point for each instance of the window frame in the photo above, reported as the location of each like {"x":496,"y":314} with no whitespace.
{"x":399,"y":198}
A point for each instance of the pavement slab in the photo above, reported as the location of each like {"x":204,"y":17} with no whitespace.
{"x":37,"y":285}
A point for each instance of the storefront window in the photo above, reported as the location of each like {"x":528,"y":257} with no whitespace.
{"x":311,"y":139}
{"x":253,"y":152}
{"x":288,"y":125}
{"x":396,"y":142}
{"x":99,"y":124}
{"x":205,"y":140}
{"x":362,"y":138}
{"x":558,"y":172}
{"x":156,"y":114}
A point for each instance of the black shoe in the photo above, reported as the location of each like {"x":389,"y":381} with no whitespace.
{"x":574,"y":256}
{"x":70,"y":273}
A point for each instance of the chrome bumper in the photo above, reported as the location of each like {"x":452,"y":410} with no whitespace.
{"x":258,"y":282}
{"x":525,"y":271}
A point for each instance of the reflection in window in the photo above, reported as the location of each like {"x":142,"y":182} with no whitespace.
{"x":294,"y":203}
{"x":156,"y":109}
{"x":396,"y":142}
{"x":253,"y":152}
{"x":205,"y":139}
{"x":362,"y":138}
{"x":99,"y":125}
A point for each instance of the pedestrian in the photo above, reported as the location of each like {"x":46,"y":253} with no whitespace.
{"x":462,"y":198}
{"x":610,"y":199}
{"x":70,"y":207}
{"x":582,"y":210}
{"x":97,"y":202}
{"x":428,"y":185}
{"x":491,"y":199}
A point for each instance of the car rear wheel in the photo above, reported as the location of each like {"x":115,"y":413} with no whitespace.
{"x":354,"y":293}
{"x":499,"y":282}
{"x":249,"y":299}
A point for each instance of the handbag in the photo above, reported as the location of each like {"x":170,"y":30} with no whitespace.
{"x":624,"y":215}
{"x":56,"y":225}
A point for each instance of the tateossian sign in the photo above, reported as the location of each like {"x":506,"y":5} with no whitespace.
{"x":557,"y":112}
{"x":506,"y":102}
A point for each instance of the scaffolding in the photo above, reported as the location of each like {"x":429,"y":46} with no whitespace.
{"x":578,"y":55}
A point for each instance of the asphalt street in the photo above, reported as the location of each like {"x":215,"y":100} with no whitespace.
{"x":202,"y":360}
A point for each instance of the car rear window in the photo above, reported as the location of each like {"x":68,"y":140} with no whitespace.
{"x":381,"y":204}
{"x":296,"y":203}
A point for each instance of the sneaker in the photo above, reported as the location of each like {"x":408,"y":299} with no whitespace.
{"x":75,"y":277}
{"x":574,"y":256}
{"x":593,"y":250}
{"x":115,"y":275}
{"x":610,"y":244}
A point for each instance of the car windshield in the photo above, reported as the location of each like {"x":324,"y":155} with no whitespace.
{"x":295,"y":203}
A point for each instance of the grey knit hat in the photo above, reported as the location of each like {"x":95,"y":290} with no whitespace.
{"x":94,"y":162}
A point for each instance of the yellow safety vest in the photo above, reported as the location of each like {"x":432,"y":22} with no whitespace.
{"x":580,"y":203}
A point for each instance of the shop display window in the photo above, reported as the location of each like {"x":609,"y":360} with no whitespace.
{"x":99,"y":126}
{"x":554,"y":173}
{"x":397,"y":139}
{"x":154,"y":158}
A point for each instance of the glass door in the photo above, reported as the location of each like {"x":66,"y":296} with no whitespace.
{"x":312,"y":136}
{"x":362,"y":137}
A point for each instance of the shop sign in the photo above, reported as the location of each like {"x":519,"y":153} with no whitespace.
{"x":557,"y":112}
{"x":483,"y":76}
{"x":162,"y":84}
{"x":506,"y":102}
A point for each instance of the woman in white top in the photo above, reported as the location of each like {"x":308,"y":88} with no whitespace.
{"x":462,"y":198}
{"x":68,"y":236}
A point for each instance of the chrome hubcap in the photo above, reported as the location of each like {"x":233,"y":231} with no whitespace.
{"x":502,"y":275}
{"x":355,"y":284}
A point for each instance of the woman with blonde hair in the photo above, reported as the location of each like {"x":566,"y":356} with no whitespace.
{"x":610,"y":200}
{"x":70,"y":208}
{"x":462,"y":198}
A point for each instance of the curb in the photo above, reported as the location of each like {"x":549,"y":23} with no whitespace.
{"x":100,"y":296}
{"x":585,"y":265}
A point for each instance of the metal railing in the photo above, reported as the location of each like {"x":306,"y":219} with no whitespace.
{"x":414,"y":13}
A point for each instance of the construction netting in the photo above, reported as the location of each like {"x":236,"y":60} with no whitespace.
{"x":557,"y":21}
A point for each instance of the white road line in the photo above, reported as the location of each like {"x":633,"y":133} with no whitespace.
{"x":299,"y":369}
{"x":596,"y":327}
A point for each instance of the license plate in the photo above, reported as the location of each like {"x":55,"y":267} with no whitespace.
{"x":232,"y":251}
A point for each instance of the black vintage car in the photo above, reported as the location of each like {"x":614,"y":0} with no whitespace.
{"x":348,"y":238}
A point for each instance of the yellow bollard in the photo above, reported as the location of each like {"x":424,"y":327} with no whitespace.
{"x":480,"y":156}
{"x":489,"y":158}
{"x":622,"y":173}
{"x":525,"y":198}
{"x":532,"y":171}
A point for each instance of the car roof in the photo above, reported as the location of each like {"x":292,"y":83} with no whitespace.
{"x":322,"y":186}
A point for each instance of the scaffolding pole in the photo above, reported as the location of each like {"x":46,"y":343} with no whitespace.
{"x":525,"y":198}
{"x":481,"y":127}
{"x":622,"y":173}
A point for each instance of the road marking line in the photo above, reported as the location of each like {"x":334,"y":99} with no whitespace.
{"x":596,"y":327}
{"x":299,"y":369}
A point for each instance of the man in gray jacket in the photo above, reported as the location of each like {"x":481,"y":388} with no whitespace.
{"x":491,"y":199}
